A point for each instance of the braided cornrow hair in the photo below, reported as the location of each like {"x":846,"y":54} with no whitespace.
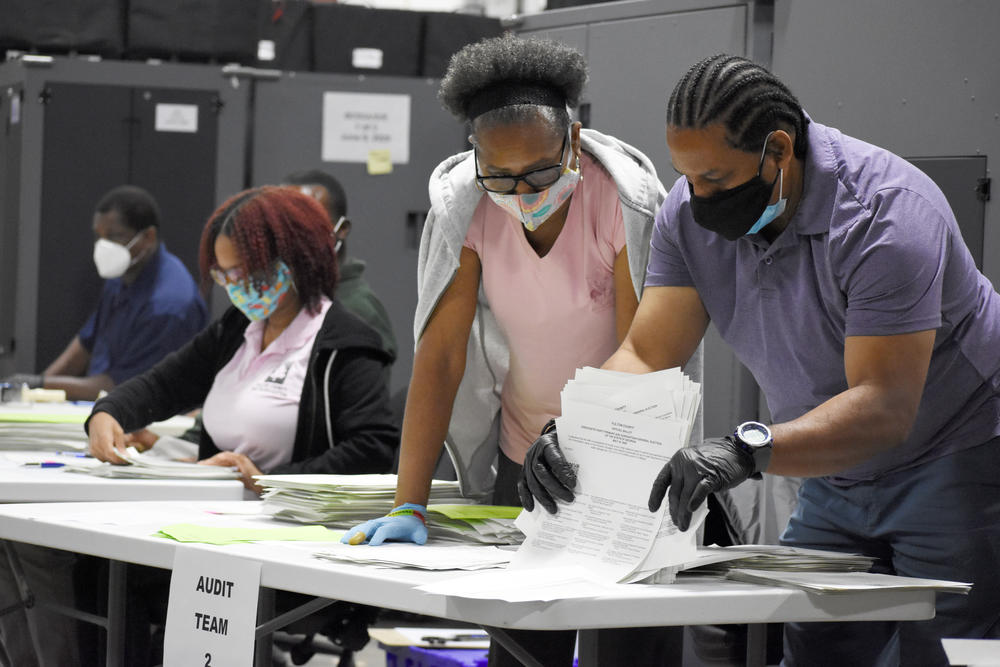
{"x":270,"y":223}
{"x":747,"y":98}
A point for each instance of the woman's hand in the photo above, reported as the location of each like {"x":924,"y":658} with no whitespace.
{"x":242,"y":463}
{"x":107,"y":439}
{"x":142,"y":440}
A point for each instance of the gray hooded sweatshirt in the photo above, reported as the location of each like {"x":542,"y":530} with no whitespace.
{"x":473,"y":433}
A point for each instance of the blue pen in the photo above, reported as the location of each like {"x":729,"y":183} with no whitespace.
{"x":46,"y":464}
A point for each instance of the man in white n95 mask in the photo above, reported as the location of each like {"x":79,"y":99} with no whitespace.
{"x":149,"y":304}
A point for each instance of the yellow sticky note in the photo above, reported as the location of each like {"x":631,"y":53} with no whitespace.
{"x":379,"y":162}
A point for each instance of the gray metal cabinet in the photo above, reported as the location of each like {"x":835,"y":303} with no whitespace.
{"x":386,"y":211}
{"x":637,"y":51}
{"x":10,"y":159}
{"x":918,"y":77}
{"x":74,"y":129}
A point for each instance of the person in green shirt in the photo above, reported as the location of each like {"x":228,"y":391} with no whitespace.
{"x":353,"y":290}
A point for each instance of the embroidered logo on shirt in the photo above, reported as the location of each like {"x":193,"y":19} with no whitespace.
{"x":274,"y":383}
{"x":280,"y":374}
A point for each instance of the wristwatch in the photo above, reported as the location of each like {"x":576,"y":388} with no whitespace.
{"x":755,"y":439}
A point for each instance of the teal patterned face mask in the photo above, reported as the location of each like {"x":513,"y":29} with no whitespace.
{"x":260,"y":304}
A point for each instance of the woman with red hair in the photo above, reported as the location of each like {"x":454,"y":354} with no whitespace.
{"x":290,"y":381}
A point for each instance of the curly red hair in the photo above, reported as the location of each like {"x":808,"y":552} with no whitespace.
{"x":271,"y":223}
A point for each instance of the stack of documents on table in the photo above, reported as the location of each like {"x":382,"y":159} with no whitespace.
{"x":480,"y":524}
{"x":149,"y":466}
{"x":59,"y":426}
{"x":720,"y":560}
{"x":424,"y":557}
{"x":343,"y":501}
{"x":813,"y":570}
{"x":49,"y":427}
{"x":22,"y":436}
{"x":845,"y":582}
{"x":618,"y":430}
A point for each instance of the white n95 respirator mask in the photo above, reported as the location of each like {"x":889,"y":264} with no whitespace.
{"x":113,"y":259}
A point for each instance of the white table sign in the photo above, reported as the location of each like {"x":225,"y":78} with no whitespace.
{"x":212,"y":615}
{"x":355,"y":124}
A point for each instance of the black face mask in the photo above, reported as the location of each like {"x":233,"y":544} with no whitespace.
{"x":733,"y":212}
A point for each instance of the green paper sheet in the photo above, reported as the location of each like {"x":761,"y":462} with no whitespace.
{"x":222,"y":535}
{"x":43,"y":417}
{"x":466,"y":512}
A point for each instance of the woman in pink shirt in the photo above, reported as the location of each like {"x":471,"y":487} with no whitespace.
{"x":290,"y":381}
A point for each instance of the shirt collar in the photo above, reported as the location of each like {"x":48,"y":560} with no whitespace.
{"x":143,"y":282}
{"x":147,"y":276}
{"x":819,"y":183}
{"x":301,"y":331}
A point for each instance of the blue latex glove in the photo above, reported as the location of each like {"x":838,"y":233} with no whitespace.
{"x":406,"y":523}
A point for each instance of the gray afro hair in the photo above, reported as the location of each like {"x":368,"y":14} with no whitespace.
{"x":509,"y":58}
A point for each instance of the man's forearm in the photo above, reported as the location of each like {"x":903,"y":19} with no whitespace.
{"x":845,"y":431}
{"x":80,"y":388}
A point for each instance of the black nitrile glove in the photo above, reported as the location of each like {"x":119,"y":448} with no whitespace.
{"x":694,"y":472}
{"x":18,"y":379}
{"x":546,"y":473}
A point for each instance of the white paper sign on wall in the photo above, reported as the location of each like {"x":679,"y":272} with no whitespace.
{"x":176,"y":117}
{"x":367,"y":58}
{"x":212,"y":613}
{"x":355,"y":124}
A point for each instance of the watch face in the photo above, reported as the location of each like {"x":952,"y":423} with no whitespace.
{"x":754,"y":434}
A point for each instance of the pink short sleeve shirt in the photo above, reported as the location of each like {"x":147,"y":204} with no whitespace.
{"x":557,"y":311}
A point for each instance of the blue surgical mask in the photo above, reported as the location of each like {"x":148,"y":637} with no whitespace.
{"x":773,"y":210}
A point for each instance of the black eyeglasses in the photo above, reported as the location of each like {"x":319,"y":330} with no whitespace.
{"x":539,"y":179}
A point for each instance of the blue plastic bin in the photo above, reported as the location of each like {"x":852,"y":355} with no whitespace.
{"x":411,"y":656}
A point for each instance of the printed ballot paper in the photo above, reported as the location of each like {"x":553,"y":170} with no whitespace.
{"x":618,"y":430}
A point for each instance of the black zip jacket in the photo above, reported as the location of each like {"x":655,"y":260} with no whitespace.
{"x":344,"y":424}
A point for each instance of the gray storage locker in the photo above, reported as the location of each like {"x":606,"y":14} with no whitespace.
{"x":918,"y":77}
{"x":77,"y":128}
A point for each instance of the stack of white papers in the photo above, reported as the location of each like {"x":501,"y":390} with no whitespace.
{"x":22,"y":436}
{"x":477,"y":524}
{"x":425,"y":557}
{"x":715,"y":561}
{"x":618,"y":430}
{"x":719,"y":560}
{"x":845,"y":582}
{"x":149,"y":466}
{"x":59,"y":426}
{"x":340,"y":501}
{"x":344,"y":501}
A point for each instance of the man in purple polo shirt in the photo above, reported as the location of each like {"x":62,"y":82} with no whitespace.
{"x":837,"y":273}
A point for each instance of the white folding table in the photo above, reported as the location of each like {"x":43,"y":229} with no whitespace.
{"x":33,"y":484}
{"x":291,"y":567}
